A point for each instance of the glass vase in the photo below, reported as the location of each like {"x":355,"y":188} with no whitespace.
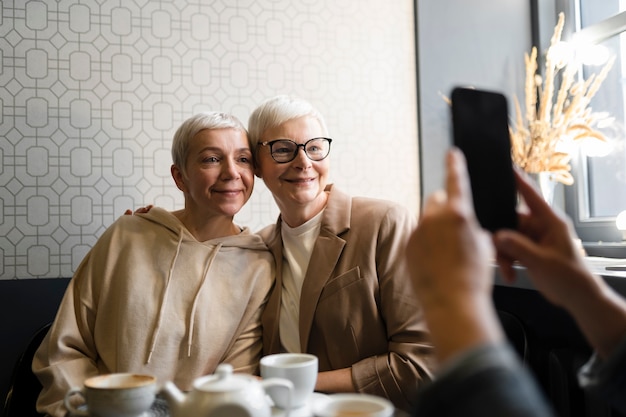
{"x":546,"y":185}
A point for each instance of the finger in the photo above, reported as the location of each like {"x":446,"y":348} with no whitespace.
{"x":535,"y":202}
{"x":456,"y":174}
{"x":457,"y":180}
{"x":506,"y":269}
{"x":143,"y":210}
{"x":514,"y":245}
{"x":434,"y":202}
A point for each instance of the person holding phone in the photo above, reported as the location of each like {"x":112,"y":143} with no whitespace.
{"x":480,"y":374}
{"x":171,"y":294}
{"x":341,"y":290}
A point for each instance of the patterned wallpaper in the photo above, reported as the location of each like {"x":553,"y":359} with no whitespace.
{"x":91,"y":92}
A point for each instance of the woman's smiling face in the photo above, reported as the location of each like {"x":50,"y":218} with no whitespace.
{"x":298,"y":185}
{"x":219,"y":175}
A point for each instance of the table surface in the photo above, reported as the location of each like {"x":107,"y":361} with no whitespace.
{"x":160,"y":408}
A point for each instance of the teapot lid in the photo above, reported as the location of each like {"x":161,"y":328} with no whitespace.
{"x":224,"y":380}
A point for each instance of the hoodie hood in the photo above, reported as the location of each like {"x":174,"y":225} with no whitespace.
{"x":243,"y":240}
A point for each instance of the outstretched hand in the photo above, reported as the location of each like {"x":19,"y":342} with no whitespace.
{"x":449,"y":256}
{"x":544,"y":244}
{"x":451,"y":252}
{"x":139,"y":210}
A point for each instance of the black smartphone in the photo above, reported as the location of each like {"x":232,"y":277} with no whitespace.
{"x":481,"y":130}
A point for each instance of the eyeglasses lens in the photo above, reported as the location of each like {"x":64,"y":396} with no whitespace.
{"x":286,"y":150}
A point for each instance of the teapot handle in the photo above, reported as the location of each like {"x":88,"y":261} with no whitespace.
{"x":283,"y":383}
{"x":68,"y":404}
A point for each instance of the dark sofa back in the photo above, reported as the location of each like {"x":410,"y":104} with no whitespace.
{"x":25,"y":306}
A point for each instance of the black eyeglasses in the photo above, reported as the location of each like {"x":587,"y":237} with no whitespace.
{"x":285,"y":150}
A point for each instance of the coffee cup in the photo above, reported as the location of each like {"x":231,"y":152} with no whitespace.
{"x":113,"y":395}
{"x":353,"y":405}
{"x":299,"y":368}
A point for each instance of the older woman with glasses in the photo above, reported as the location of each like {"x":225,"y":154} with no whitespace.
{"x":341,"y":290}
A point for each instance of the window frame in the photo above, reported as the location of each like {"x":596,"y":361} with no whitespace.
{"x":593,"y":231}
{"x":588,"y":228}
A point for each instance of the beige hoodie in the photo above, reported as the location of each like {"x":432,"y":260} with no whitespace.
{"x":150,"y":298}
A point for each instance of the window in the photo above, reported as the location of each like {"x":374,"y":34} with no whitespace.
{"x":599,"y":192}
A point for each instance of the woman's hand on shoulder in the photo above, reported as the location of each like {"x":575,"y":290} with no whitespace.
{"x":144,"y":209}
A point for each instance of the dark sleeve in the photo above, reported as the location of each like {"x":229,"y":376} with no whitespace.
{"x":488,"y":381}
{"x":607,"y":379}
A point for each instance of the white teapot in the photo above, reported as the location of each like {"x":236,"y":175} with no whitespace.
{"x":224,"y":394}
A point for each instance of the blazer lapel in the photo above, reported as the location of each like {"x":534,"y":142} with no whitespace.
{"x":324,"y":258}
{"x":271,"y":335}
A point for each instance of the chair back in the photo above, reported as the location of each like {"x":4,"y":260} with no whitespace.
{"x":515,"y":333}
{"x":25,"y":387}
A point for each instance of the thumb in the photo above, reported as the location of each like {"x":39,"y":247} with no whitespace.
{"x":516,"y":246}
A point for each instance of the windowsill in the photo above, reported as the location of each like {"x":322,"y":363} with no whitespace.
{"x":615,"y":277}
{"x":606,"y":249}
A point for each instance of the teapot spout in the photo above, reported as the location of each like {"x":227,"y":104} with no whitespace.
{"x":174,"y":397}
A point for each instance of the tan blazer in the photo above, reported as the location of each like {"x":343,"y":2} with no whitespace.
{"x":357,"y":307}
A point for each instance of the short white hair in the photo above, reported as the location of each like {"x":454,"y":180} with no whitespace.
{"x":190,"y":127}
{"x":276,"y":111}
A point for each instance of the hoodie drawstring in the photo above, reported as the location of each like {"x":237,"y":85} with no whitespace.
{"x":192,"y":318}
{"x":155,"y":332}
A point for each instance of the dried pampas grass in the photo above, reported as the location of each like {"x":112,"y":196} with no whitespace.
{"x":550,"y":119}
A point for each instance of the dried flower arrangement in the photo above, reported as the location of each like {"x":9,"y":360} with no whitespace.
{"x":549,"y":120}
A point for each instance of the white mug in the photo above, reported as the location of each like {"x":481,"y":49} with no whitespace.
{"x":299,"y":368}
{"x":353,"y":405}
{"x":114,"y":395}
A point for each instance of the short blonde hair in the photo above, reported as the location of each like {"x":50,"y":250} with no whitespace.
{"x":190,"y":127}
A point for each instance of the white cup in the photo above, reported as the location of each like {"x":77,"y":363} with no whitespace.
{"x":299,"y":368}
{"x":114,"y":395}
{"x":353,"y":405}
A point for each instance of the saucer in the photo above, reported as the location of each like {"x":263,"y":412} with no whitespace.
{"x":305,"y":411}
{"x":159,"y":409}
